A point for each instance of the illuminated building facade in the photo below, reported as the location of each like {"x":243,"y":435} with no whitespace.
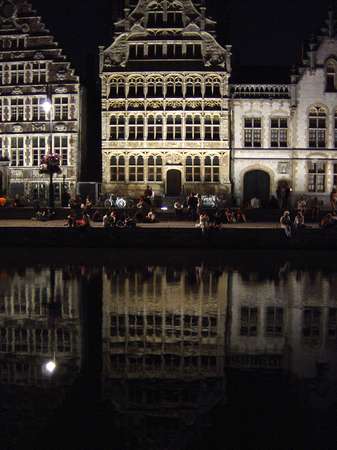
{"x":33,"y":69}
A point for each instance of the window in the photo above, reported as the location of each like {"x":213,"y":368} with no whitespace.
{"x":39,"y":149}
{"x":61,"y":108}
{"x":155,"y":90}
{"x":311,"y":322}
{"x":117,"y":168}
{"x":212,"y":169}
{"x":38,"y":112}
{"x":316,"y":177}
{"x":2,"y":114}
{"x":335,"y":174}
{"x":136,"y":90}
{"x":174,"y":89}
{"x":253,"y":132}
{"x":332,"y":323}
{"x":274,"y":322}
{"x":335,"y":132}
{"x":279,"y":132}
{"x":2,"y":74}
{"x":17,"y":74}
{"x":212,"y":89}
{"x":136,"y":128}
{"x":155,"y":166}
{"x":2,"y":148}
{"x":193,"y":89}
{"x":174,"y":128}
{"x":61,"y":148}
{"x":155,"y":128}
{"x":17,"y":110}
{"x":248,"y":325}
{"x":212,"y":128}
{"x":117,"y":89}
{"x":63,"y":340}
{"x":136,"y":168}
{"x":193,"y":128}
{"x":39,"y":72}
{"x":331,"y":76}
{"x":17,"y":152}
{"x":317,"y":128}
{"x":193,"y":169}
{"x":117,"y":128}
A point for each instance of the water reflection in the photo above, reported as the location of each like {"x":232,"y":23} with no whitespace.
{"x":163,"y":354}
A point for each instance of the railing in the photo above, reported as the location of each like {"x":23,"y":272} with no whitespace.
{"x":260,"y":91}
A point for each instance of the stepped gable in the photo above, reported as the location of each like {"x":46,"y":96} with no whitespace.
{"x":34,"y":40}
{"x":167,"y":35}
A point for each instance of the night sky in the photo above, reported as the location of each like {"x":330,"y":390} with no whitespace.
{"x":262,"y":32}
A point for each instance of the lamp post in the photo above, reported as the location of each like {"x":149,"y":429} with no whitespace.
{"x":50,"y":163}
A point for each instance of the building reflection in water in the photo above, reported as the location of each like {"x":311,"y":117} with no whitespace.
{"x":173,"y":340}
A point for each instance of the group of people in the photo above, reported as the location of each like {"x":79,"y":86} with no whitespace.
{"x":290,"y":225}
{"x":219,"y":218}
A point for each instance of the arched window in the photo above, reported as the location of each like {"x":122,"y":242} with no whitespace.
{"x":193,"y":169}
{"x":317,"y":127}
{"x":331,"y":72}
{"x":193,"y":128}
{"x":117,"y":128}
{"x":136,"y":90}
{"x":136,"y":168}
{"x":212,"y":128}
{"x":155,"y":169}
{"x":117,"y":168}
{"x":155,"y":128}
{"x":174,"y":89}
{"x":136,"y":128}
{"x":174,"y":128}
{"x":212,"y":169}
{"x":117,"y":89}
{"x":212,"y":89}
{"x":155,"y":90}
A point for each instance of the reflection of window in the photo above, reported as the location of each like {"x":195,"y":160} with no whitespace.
{"x":311,"y":322}
{"x":248,"y":325}
{"x":332,"y":323}
{"x":136,"y":168}
{"x":212,"y":169}
{"x":317,"y":128}
{"x":316,"y":177}
{"x":253,"y":132}
{"x":212,"y":128}
{"x":193,"y":128}
{"x":117,"y":128}
{"x":155,"y":128}
{"x":274,"y":321}
{"x":117,"y":168}
{"x":174,"y":128}
{"x":331,"y":76}
{"x":279,"y":132}
{"x":193,"y":169}
{"x":155,"y":165}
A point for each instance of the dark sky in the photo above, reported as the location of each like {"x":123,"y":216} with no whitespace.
{"x":262,"y":32}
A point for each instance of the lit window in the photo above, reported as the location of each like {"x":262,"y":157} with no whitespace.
{"x":136,"y":128}
{"x":317,"y":128}
{"x":38,"y":112}
{"x":17,"y":110}
{"x":136,"y":168}
{"x":174,"y":128}
{"x":248,"y":322}
{"x":212,"y":128}
{"x":17,"y":151}
{"x":331,"y":76}
{"x":212,"y":169}
{"x":193,"y":128}
{"x":316,"y":176}
{"x":61,"y":108}
{"x":39,"y":149}
{"x":253,"y":132}
{"x":155,"y":167}
{"x":61,"y":148}
{"x":193,"y":169}
{"x":39,"y":72}
{"x":117,"y":168}
{"x":155,"y":128}
{"x":17,"y":74}
{"x":279,"y":132}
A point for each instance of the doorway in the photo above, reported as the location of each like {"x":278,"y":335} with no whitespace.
{"x":257,"y":184}
{"x":173,"y":183}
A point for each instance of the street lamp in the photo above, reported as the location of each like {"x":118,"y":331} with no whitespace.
{"x":50,"y":163}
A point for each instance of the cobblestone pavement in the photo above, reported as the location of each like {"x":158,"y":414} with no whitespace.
{"x":183,"y":225}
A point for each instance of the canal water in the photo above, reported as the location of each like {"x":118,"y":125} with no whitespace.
{"x":168,"y":351}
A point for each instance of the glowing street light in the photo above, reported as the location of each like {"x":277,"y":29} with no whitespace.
{"x":47,"y":106}
{"x":50,"y":367}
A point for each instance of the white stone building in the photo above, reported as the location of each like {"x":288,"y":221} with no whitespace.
{"x":32,"y":70}
{"x":171,"y":119}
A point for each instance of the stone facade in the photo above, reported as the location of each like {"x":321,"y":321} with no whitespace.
{"x":32,"y":70}
{"x":171,"y":119}
{"x":165,"y":102}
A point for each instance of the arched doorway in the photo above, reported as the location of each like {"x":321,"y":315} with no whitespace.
{"x":173,"y":183}
{"x":257,"y":184}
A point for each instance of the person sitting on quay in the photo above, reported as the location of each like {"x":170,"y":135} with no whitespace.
{"x":84,"y":223}
{"x":240,"y":216}
{"x":333,"y":200}
{"x":192,"y":205}
{"x":328,"y":221}
{"x":179,"y":210}
{"x":151,"y":217}
{"x":71,"y":220}
{"x":203,"y":222}
{"x":299,"y":221}
{"x":285,"y":222}
{"x":255,"y":203}
{"x":302,"y":205}
{"x":148,"y":194}
{"x":229,"y":216}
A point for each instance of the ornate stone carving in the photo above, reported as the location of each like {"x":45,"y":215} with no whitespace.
{"x":174,"y":159}
{"x":60,"y":127}
{"x":17,"y":128}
